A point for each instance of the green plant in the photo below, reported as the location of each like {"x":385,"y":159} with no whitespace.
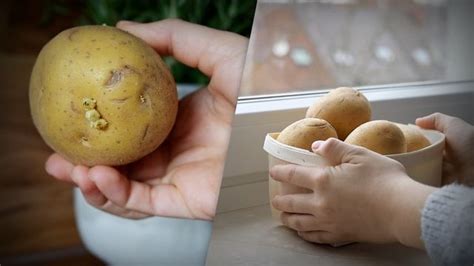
{"x":230,"y":15}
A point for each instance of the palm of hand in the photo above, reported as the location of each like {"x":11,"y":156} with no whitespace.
{"x":180,"y":179}
{"x":184,"y":172}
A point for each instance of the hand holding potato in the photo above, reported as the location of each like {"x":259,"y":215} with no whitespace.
{"x":363,"y":196}
{"x":458,"y":162}
{"x":182,"y":177}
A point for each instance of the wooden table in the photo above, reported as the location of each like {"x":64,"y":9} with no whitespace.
{"x":36,"y":215}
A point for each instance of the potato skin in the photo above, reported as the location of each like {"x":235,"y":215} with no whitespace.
{"x":304,"y":132}
{"x":380,"y":136}
{"x":134,"y":91}
{"x":414,"y":137}
{"x":344,"y":108}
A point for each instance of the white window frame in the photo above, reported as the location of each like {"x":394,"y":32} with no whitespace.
{"x":245,"y":181}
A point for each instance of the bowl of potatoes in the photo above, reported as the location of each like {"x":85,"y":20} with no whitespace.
{"x":345,"y":113}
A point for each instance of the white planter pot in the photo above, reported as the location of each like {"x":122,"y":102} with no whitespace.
{"x":150,"y":241}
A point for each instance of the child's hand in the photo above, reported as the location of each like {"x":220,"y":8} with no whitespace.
{"x":458,"y":161}
{"x":363,"y":196}
{"x":182,"y":177}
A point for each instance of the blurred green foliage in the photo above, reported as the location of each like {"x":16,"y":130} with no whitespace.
{"x":230,"y":15}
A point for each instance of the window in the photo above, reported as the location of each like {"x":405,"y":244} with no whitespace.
{"x":410,"y":58}
{"x":308,"y":45}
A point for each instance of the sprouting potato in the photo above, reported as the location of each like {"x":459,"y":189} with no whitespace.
{"x":99,"y":95}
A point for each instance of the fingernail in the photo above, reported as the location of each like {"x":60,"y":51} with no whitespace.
{"x":274,"y":202}
{"x":74,"y":176}
{"x":47,"y":168}
{"x":272,"y":171}
{"x":127,"y":22}
{"x":274,"y":177}
{"x":316,"y":144}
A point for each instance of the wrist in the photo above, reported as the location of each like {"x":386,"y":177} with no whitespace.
{"x":408,"y":198}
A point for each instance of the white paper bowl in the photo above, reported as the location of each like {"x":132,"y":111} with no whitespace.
{"x":422,"y":165}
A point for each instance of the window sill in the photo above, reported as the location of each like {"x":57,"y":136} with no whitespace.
{"x":246,"y":164}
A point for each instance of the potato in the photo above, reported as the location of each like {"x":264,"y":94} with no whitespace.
{"x":101,"y":96}
{"x":301,"y":134}
{"x":414,"y":137}
{"x":380,"y":136}
{"x":344,"y":108}
{"x":304,"y":132}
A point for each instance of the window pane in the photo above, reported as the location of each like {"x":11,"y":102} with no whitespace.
{"x":308,"y":45}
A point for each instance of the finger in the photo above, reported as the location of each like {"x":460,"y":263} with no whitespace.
{"x":321,"y":237}
{"x":116,"y":187}
{"x":59,"y":168}
{"x":112,"y":208}
{"x":334,"y":151}
{"x":302,"y":176}
{"x":300,"y":222}
{"x":215,"y":53}
{"x":88,"y":188}
{"x":161,"y":200}
{"x":94,"y":197}
{"x":293,"y":203}
{"x":194,"y":45}
{"x":436,"y":121}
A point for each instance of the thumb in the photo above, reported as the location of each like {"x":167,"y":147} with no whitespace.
{"x":191,"y":44}
{"x":217,"y":54}
{"x":333,"y":150}
{"x":437,"y":121}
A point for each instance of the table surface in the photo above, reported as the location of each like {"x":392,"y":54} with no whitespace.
{"x":251,"y":237}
